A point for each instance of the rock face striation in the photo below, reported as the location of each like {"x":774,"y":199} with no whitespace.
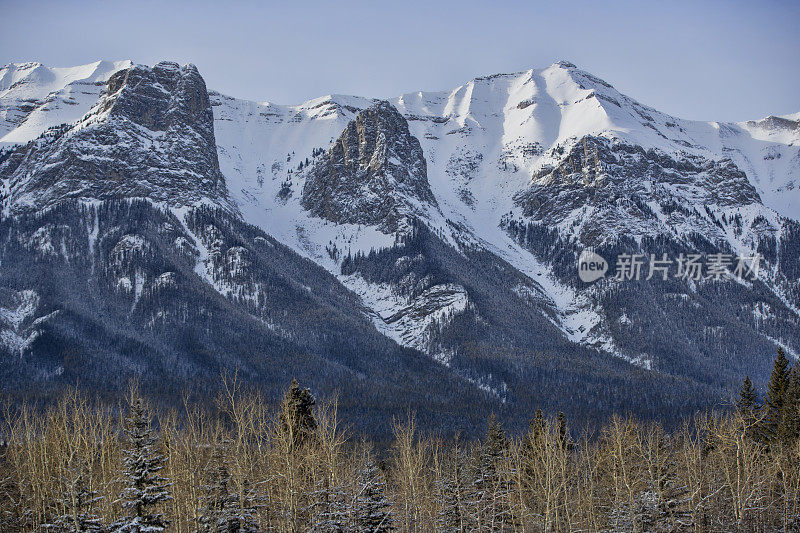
{"x":414,"y":253}
{"x":374,"y":174}
{"x":622,"y":185}
{"x":151,"y":135}
{"x":124,"y":256}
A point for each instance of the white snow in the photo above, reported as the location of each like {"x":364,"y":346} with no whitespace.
{"x":54,"y":95}
{"x":483,"y":142}
{"x":13,"y":335}
{"x":408,"y":320}
{"x":26,"y":302}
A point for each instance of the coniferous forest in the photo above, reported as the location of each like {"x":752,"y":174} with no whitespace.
{"x":243,"y":465}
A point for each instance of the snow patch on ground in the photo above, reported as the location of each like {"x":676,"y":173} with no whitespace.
{"x":26,"y":303}
{"x":408,"y":321}
{"x":21,"y":307}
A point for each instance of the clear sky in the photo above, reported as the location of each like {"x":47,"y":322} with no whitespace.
{"x":713,"y":60}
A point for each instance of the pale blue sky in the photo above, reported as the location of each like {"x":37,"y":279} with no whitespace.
{"x":709,"y":60}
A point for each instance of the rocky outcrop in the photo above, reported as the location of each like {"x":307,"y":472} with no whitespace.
{"x":775,"y":123}
{"x":624,"y":189}
{"x":374,"y":174}
{"x":151,"y":135}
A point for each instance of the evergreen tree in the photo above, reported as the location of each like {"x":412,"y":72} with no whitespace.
{"x":789,"y":428}
{"x":76,"y":504}
{"x":449,"y":488}
{"x":490,"y":496}
{"x":297,"y":414}
{"x":563,"y":434}
{"x":15,"y":515}
{"x":223,"y":510}
{"x":145,"y":491}
{"x":537,"y":432}
{"x":748,"y":398}
{"x":747,"y":406}
{"x":450,"y":518}
{"x":776,"y":391}
{"x":330,"y":510}
{"x":373,"y":510}
{"x":538,"y":425}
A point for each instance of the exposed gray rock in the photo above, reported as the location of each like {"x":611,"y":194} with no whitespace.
{"x":374,"y":174}
{"x":151,"y":135}
{"x":615,"y":185}
{"x":776,"y":123}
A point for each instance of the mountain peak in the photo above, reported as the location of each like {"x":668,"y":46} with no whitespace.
{"x":21,"y":66}
{"x":374,"y":174}
{"x":34,"y":97}
{"x":37,"y":80}
{"x":456,"y":218}
{"x":150,"y":135}
{"x":564,"y":64}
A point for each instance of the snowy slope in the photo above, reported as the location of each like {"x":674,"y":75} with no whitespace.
{"x":260,"y":147}
{"x":487,"y":144}
{"x":484,"y":142}
{"x":517,"y":119}
{"x":34,"y":97}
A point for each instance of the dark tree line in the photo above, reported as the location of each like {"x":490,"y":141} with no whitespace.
{"x":776,"y":420}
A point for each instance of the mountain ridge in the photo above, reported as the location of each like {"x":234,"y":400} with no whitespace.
{"x":454,"y":219}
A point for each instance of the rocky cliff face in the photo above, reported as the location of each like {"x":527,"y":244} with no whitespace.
{"x":151,"y":135}
{"x":124,"y":257}
{"x":528,"y":170}
{"x":611,"y":188}
{"x":374,"y":174}
{"x":416,"y":251}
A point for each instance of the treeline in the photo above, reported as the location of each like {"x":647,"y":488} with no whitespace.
{"x":245,"y":466}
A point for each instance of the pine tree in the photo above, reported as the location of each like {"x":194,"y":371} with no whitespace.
{"x":144,"y":489}
{"x":373,"y":511}
{"x":450,"y":518}
{"x":776,"y":390}
{"x":538,"y":425}
{"x":449,"y":489}
{"x":748,"y":398}
{"x":15,"y":515}
{"x":490,"y":496}
{"x":297,"y":414}
{"x":789,"y":427}
{"x":535,"y":435}
{"x":224,"y":511}
{"x":330,"y":510}
{"x":747,"y":407}
{"x":76,"y":504}
{"x":563,"y":433}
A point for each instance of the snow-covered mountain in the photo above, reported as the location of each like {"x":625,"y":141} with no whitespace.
{"x":444,"y":224}
{"x":34,"y":98}
{"x":555,"y":146}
